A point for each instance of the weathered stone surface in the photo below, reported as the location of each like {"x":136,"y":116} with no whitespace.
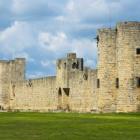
{"x":113,"y":87}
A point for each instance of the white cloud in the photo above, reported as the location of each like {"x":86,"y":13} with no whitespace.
{"x":24,"y":55}
{"x":60,"y":44}
{"x":46,"y":63}
{"x":95,"y":9}
{"x":86,"y":49}
{"x":71,"y":5}
{"x":21,"y":6}
{"x":44,"y":30}
{"x":35,"y":9}
{"x":60,"y":18}
{"x":53,"y":42}
{"x":16,"y":38}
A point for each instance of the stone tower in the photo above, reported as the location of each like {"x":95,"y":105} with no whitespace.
{"x":119,"y":68}
{"x":106,"y":70}
{"x":10,"y":72}
{"x":64,"y":69}
{"x":128,"y":66}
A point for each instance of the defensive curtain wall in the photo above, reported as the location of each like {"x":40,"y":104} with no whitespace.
{"x":113,"y":87}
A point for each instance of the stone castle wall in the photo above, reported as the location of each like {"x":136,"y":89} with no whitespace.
{"x":113,"y":87}
{"x":34,"y":95}
{"x":76,"y":85}
{"x":73,"y":89}
{"x":83,"y":96}
{"x":4,"y":87}
{"x":10,"y":71}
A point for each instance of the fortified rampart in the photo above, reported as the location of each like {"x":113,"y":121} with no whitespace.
{"x":10,"y":71}
{"x":113,"y":87}
{"x":34,"y":95}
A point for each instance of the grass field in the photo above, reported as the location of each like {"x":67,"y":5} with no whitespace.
{"x":69,"y":126}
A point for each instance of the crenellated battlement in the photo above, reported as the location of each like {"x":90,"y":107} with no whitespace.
{"x":106,"y":36}
{"x":106,"y":30}
{"x":71,"y":55}
{"x":131,"y":25}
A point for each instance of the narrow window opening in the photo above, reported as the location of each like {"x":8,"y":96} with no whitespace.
{"x":138,"y":82}
{"x":138,"y":51}
{"x":117,"y":82}
{"x":1,"y":107}
{"x":13,"y":90}
{"x":97,"y":39}
{"x":98,"y":83}
{"x":82,"y":64}
{"x":85,"y":76}
{"x":65,"y":65}
{"x":59,"y":92}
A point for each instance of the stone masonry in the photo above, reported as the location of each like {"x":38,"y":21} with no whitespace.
{"x":113,"y":87}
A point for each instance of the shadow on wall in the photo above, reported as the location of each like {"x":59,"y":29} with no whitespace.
{"x":1,"y":107}
{"x":138,"y":108}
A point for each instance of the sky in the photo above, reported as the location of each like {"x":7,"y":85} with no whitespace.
{"x":44,"y":30}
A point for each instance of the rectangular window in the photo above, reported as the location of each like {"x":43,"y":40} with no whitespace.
{"x":98,"y":83}
{"x":117,"y":82}
{"x":138,"y":51}
{"x":138,"y":82}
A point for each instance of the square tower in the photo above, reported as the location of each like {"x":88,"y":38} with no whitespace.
{"x":65,"y":67}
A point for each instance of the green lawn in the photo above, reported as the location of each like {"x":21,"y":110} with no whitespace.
{"x":69,"y":126}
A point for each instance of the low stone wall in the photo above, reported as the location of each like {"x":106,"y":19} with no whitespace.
{"x":35,"y":95}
